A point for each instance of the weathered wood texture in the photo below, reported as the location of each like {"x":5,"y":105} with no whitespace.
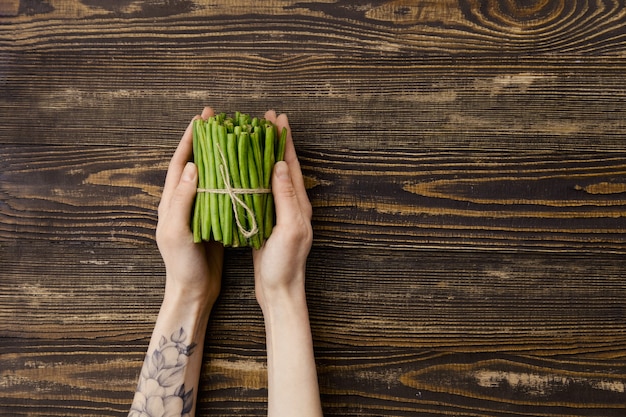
{"x":466,"y":161}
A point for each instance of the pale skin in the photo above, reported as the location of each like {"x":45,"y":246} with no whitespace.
{"x":168,"y":384}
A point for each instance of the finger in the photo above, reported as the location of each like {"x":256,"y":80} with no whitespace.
{"x":292,"y":161}
{"x":271,"y":116}
{"x":181,"y":156}
{"x":290,"y":150}
{"x":207,"y":112}
{"x":182,"y":198}
{"x":286,"y":201}
{"x":294,"y":165}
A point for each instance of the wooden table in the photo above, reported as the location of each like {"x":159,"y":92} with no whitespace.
{"x":466,"y":161}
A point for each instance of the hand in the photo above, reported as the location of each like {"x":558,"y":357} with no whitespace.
{"x":193,"y":270}
{"x":279,"y":266}
{"x":279,"y":271}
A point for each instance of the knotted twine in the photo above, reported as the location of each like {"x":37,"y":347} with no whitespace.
{"x":234,"y":193}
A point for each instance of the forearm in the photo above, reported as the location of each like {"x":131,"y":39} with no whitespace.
{"x":171,"y":370}
{"x":292,"y":377}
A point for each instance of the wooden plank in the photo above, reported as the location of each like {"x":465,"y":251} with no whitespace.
{"x":483,"y":302}
{"x":370,"y":103}
{"x":398,"y":383}
{"x":535,"y":200}
{"x":430,"y":28}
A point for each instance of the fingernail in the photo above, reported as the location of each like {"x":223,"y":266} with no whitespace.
{"x":281,"y":170}
{"x":189,"y":173}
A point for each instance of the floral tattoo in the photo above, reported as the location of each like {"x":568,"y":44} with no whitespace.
{"x":161,"y":389}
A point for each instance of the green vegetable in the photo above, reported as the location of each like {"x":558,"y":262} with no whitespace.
{"x":235,"y":157}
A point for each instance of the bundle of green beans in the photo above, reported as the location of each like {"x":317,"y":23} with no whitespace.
{"x":235,"y":157}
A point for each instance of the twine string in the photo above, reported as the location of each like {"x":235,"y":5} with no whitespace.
{"x":234,"y":193}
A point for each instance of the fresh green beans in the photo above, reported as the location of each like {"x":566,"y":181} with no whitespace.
{"x":235,"y":157}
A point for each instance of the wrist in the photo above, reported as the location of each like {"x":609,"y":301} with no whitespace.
{"x":287,"y":298}
{"x":193,"y":285}
{"x":188,"y":301}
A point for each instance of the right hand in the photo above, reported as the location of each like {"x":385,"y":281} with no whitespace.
{"x":279,"y":266}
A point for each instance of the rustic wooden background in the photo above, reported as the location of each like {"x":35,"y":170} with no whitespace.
{"x":466,"y":160}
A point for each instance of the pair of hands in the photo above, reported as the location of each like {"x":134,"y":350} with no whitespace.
{"x":194,"y":270}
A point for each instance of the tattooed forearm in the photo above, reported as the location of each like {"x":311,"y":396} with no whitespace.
{"x":161,"y":388}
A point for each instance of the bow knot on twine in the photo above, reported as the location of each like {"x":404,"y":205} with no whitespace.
{"x":234,"y":193}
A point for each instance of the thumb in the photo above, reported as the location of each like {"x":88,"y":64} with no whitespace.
{"x":285,"y":198}
{"x":183,"y":196}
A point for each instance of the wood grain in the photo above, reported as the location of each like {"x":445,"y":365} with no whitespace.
{"x":465,"y":159}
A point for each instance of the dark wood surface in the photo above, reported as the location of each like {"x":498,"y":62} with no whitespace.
{"x":466,"y":161}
